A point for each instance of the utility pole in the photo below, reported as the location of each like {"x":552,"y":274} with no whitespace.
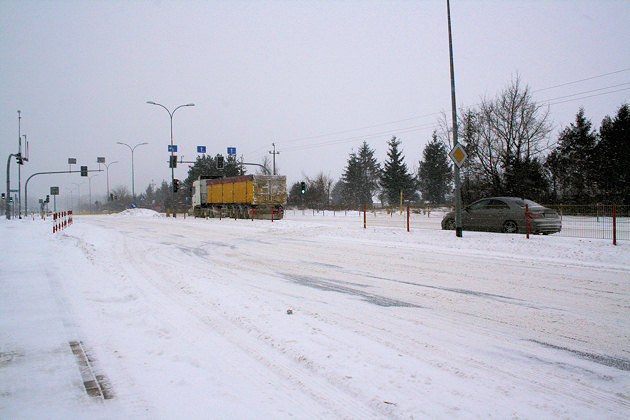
{"x":274,"y":153}
{"x":458,"y":196}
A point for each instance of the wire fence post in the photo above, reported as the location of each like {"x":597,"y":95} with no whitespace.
{"x":527,"y":219}
{"x":364,"y":217}
{"x":614,"y":224}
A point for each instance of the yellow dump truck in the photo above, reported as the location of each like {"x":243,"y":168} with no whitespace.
{"x":247,"y":196}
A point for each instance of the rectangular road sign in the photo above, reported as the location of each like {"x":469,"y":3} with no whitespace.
{"x":201,"y":149}
{"x":100,"y":160}
{"x":72,"y":161}
{"x":54,"y":190}
{"x":231,"y":151}
{"x":172,"y":148}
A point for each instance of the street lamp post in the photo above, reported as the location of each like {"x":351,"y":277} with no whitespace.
{"x":172,"y":168}
{"x":90,"y":188}
{"x":133,"y":189}
{"x":79,"y":199}
{"x":107,"y":167}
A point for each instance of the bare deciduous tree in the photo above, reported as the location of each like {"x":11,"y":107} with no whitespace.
{"x":509,"y":128}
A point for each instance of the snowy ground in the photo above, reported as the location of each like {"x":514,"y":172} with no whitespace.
{"x":309,"y":317}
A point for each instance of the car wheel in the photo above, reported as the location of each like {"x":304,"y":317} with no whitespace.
{"x":449,"y":224}
{"x":510,"y":226}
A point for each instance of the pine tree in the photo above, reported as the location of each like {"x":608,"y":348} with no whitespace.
{"x":572,"y":163}
{"x":352,"y":181}
{"x":361,"y":177}
{"x":370,"y":173}
{"x":395,"y":176}
{"x":207,"y":166}
{"x":434,"y":173}
{"x":612,"y":154}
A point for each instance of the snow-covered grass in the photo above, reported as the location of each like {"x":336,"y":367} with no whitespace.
{"x":309,"y":317}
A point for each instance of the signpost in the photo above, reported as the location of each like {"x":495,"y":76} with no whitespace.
{"x":458,"y":155}
{"x":231,"y":151}
{"x":54,"y":191}
{"x":172,"y":148}
{"x":201,"y":149}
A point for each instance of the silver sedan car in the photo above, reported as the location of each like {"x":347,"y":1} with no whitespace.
{"x":506,"y":214}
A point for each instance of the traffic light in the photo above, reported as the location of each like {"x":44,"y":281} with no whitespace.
{"x":10,"y":199}
{"x":84,"y":171}
{"x":220,"y":162}
{"x":175,"y":185}
{"x":303,"y":187}
{"x":172,"y":163}
{"x":3,"y":196}
{"x":47,"y":199}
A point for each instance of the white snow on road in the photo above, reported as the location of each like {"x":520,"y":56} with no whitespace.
{"x":309,"y":317}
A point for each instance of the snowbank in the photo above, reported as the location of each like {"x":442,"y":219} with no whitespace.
{"x":138,"y":212}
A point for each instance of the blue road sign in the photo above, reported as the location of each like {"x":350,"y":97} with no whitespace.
{"x":172,"y":148}
{"x":201,"y":149}
{"x":231,"y":151}
{"x":134,"y":205}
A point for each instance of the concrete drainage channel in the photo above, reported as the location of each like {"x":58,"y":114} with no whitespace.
{"x":96,"y":386}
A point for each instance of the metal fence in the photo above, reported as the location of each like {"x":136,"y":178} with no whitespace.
{"x":599,"y":221}
{"x":595,"y":221}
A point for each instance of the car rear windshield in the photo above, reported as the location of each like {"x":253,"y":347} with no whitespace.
{"x":522,"y":202}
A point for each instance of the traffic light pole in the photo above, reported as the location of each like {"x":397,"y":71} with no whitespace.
{"x":6,"y":205}
{"x":47,"y":173}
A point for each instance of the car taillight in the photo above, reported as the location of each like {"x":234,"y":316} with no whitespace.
{"x":536,"y":215}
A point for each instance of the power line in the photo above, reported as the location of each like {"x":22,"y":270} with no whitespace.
{"x":421,"y":127}
{"x":590,"y":96}
{"x":582,"y":80}
{"x":590,"y":91}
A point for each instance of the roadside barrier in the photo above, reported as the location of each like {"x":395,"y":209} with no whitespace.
{"x":61,"y":220}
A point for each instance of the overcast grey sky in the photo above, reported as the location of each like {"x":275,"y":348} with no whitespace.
{"x":317,"y":78}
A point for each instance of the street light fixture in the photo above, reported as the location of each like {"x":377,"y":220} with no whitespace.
{"x":172,"y":168}
{"x":133,"y":189}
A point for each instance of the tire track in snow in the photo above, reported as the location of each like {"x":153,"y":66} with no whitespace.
{"x":332,"y":398}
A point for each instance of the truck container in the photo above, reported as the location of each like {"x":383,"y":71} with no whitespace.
{"x":247,"y":196}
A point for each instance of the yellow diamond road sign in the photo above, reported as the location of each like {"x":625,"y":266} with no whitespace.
{"x":458,"y":155}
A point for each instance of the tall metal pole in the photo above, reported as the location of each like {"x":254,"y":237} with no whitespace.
{"x":19,"y":203}
{"x":133,"y":188}
{"x":458,"y":197}
{"x":24,"y":158}
{"x":107,"y":167}
{"x":170,"y":114}
{"x":78,"y":199}
{"x":7,"y":205}
{"x":274,"y":153}
{"x":90,"y":189}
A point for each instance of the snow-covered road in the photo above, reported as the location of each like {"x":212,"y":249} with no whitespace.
{"x":310,"y":317}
